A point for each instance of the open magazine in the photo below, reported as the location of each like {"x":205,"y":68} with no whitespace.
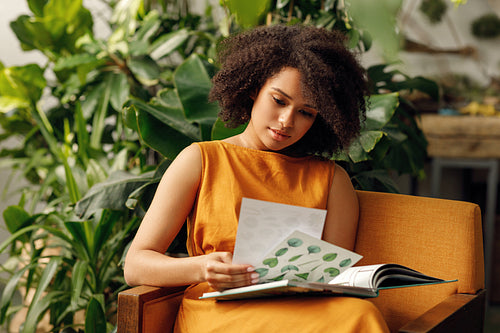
{"x":313,"y":275}
{"x":302,"y":263}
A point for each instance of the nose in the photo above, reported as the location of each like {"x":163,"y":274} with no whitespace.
{"x":286,"y":118}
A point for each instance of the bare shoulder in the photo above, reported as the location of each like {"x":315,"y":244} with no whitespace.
{"x":342,"y":211}
{"x":191,"y":152}
{"x":341,"y":177}
{"x":342,"y":192}
{"x":189,"y":156}
{"x":186,"y":167}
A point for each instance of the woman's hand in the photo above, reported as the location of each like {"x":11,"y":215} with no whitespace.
{"x":221,"y":274}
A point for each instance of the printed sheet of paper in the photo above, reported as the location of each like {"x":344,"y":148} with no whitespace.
{"x":301,"y":257}
{"x":264,"y":224}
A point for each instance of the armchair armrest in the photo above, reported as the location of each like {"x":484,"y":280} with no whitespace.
{"x":457,"y":313}
{"x":148,"y":309}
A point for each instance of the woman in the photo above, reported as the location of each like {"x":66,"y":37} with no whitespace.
{"x":302,"y":93}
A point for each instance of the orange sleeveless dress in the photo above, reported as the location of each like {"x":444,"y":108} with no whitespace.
{"x":229,"y":173}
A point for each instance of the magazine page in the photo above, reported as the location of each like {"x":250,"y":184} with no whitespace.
{"x":300,"y":257}
{"x":360,"y":276}
{"x":383,"y":276}
{"x":263,"y":224}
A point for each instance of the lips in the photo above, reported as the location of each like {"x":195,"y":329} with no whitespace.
{"x":279,"y":135}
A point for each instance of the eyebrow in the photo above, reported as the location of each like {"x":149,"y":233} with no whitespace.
{"x":290,"y":97}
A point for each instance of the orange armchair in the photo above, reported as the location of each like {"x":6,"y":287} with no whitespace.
{"x":442,"y":238}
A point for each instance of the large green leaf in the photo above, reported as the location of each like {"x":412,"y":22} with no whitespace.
{"x":379,"y":73}
{"x":168,"y":43}
{"x":164,"y":139}
{"x":173,"y":117}
{"x":10,"y":289}
{"x":36,"y":6}
{"x":220,"y":131}
{"x":149,"y":26}
{"x":356,"y":152}
{"x":15,"y":218}
{"x":75,"y":60}
{"x":71,"y":184}
{"x":369,"y":139}
{"x":168,"y":98}
{"x":31,"y":33}
{"x":78,"y":276}
{"x":167,"y":136}
{"x":422,"y":84}
{"x":58,"y":14}
{"x":383,"y":78}
{"x":95,"y":172}
{"x":192,"y":81}
{"x":380,"y":111}
{"x":101,"y":112}
{"x":36,"y":310}
{"x":111,"y":194}
{"x":38,"y":304}
{"x":95,"y":319}
{"x":104,"y":229}
{"x":26,"y":83}
{"x":54,"y":231}
{"x":248,"y":13}
{"x":81,"y":242}
{"x":80,"y":127}
{"x":56,"y":28}
{"x":120,"y":90}
{"x":145,"y":69}
{"x":8,"y":103}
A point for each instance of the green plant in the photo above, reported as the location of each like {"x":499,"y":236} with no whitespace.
{"x":80,"y":142}
{"x":72,"y":264}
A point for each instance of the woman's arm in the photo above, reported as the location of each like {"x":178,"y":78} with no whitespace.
{"x":146,"y":263}
{"x":343,"y":211}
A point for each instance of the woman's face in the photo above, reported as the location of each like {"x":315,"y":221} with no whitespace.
{"x":280,"y":114}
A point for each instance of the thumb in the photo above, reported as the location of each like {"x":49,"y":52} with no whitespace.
{"x":226,"y":257}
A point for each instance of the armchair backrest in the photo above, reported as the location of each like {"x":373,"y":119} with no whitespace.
{"x":441,"y":238}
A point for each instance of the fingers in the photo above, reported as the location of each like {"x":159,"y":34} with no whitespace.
{"x":221,"y":274}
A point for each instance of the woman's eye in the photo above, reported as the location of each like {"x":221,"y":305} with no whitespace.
{"x":306,"y":113}
{"x":278,"y":101}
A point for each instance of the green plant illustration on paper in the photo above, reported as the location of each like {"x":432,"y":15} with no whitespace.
{"x":313,"y":249}
{"x":295,"y":242}
{"x":345,"y":263}
{"x":330,"y":257}
{"x":304,"y":258}
{"x":262,"y":272}
{"x":271,"y":262}
{"x":303,"y":276}
{"x":281,"y":252}
{"x":278,"y":278}
{"x":288,"y":268}
{"x":332,"y":271}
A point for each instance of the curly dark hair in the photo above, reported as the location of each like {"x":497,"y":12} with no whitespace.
{"x":332,"y":80}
